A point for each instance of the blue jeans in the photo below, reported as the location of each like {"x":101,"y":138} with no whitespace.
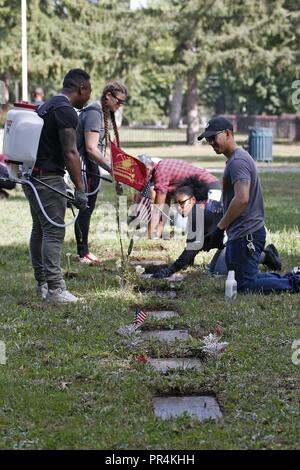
{"x":247,"y":274}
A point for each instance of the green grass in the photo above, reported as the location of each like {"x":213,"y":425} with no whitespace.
{"x":70,"y":383}
{"x":159,"y":143}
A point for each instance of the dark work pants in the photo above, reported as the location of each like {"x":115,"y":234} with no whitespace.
{"x":46,"y":239}
{"x":245,"y":265}
{"x":82,"y":225}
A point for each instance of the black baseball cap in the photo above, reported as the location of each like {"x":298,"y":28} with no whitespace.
{"x":215,"y":125}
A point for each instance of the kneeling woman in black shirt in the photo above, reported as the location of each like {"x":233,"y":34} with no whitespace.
{"x":203,"y":215}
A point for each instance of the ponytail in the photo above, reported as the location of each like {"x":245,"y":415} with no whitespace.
{"x":192,"y":187}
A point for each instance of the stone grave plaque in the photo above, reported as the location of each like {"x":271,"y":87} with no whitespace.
{"x":147,"y":262}
{"x":200,"y":408}
{"x":165,"y":294}
{"x":174,"y":278}
{"x":163,"y":365}
{"x":162,"y":294}
{"x":166,"y":335}
{"x":161,"y":314}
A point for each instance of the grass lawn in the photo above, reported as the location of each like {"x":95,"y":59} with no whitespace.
{"x":169,"y":143}
{"x":70,"y":383}
{"x":204,"y":156}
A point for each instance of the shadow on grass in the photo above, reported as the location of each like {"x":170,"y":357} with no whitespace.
{"x":15,"y":196}
{"x":287,"y":160}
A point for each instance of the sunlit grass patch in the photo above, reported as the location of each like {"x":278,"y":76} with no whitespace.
{"x":69,"y":382}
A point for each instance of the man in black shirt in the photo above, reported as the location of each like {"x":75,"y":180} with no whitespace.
{"x":57,"y":151}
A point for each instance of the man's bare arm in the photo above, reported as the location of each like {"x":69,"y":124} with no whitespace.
{"x":237,"y":205}
{"x":71,"y":156}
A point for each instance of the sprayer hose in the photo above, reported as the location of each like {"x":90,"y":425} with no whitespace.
{"x":44,"y":212}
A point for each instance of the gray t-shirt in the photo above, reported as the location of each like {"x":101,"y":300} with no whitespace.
{"x":241,"y":166}
{"x":91,"y":120}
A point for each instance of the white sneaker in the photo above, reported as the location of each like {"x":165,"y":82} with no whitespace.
{"x":296,"y":270}
{"x":61,"y":295}
{"x":90,"y":259}
{"x":42,"y":291}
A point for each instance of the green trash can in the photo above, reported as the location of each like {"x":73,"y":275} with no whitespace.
{"x":260,"y":143}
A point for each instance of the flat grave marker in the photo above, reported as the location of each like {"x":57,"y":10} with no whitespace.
{"x":162,"y":314}
{"x":183,"y":363}
{"x":200,"y":408}
{"x":166,"y":335}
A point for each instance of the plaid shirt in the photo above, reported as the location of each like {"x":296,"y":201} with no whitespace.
{"x":168,"y":172}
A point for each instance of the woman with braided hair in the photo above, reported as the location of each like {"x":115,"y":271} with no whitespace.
{"x":92,"y":142}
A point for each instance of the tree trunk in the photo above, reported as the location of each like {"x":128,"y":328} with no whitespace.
{"x":176,"y":104}
{"x":4,"y":92}
{"x":16,"y":90}
{"x":192,"y":109}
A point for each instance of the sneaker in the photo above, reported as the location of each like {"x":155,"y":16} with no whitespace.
{"x":296,"y":270}
{"x":272,"y":259}
{"x":90,"y":259}
{"x":61,"y":295}
{"x":42,"y":291}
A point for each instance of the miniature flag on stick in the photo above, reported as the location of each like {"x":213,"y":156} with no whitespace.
{"x":127,"y":169}
{"x":143,"y":212}
{"x":139,"y":317}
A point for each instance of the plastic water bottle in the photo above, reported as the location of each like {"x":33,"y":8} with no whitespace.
{"x":230,"y":286}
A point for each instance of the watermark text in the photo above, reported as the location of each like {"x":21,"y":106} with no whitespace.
{"x":2,"y":353}
{"x":296,"y":353}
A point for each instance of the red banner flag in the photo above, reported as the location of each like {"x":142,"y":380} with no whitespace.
{"x":127,"y":169}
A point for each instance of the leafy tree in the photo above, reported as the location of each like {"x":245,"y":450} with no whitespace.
{"x":105,"y":38}
{"x":251,"y":69}
{"x":228,"y":56}
{"x":241,"y":54}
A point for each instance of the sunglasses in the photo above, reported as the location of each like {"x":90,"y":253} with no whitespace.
{"x":119,"y":101}
{"x":212,"y":138}
{"x":181,"y":203}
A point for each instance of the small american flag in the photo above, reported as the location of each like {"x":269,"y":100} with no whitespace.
{"x":144,"y":208}
{"x":139,"y":317}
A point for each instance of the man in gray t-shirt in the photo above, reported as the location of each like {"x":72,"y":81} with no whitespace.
{"x":240,"y":169}
{"x":243,"y":217}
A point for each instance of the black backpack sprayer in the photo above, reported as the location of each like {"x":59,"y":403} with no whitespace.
{"x":22,"y":133}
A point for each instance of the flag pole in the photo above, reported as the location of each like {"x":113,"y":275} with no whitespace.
{"x":119,"y":228}
{"x":163,"y":213}
{"x":24,"y":51}
{"x":118,"y":213}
